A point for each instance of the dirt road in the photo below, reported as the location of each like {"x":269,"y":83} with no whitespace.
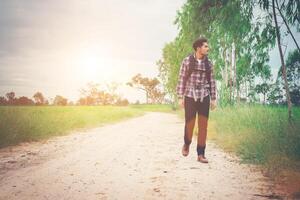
{"x":135,"y":159}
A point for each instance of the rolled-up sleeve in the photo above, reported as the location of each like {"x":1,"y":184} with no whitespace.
{"x":213,"y":89}
{"x":180,"y":88}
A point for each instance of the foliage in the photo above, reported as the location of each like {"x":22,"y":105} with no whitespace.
{"x":149,"y":86}
{"x":293,"y":77}
{"x":32,"y":123}
{"x":40,"y":99}
{"x":249,"y":26}
{"x":224,"y":23}
{"x":93,"y":95}
{"x":60,"y":101}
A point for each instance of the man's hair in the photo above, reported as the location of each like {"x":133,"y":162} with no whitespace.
{"x":199,"y":42}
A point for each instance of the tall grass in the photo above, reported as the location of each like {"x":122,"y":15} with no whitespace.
{"x":31,"y":123}
{"x":154,"y":107}
{"x":28,"y":123}
{"x":259,"y":134}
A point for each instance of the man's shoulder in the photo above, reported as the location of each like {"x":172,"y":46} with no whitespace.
{"x":210,"y":64}
{"x":187,"y":58}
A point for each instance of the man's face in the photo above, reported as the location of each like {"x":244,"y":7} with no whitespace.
{"x":203,"y":49}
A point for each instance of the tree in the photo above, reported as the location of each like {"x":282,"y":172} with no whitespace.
{"x":10,"y":98}
{"x":239,"y":47}
{"x":263,"y":89}
{"x":93,"y":95}
{"x":39,"y":98}
{"x":157,"y":96}
{"x":122,"y":102}
{"x":60,"y":101}
{"x":24,"y":101}
{"x":275,"y":95}
{"x":3,"y":101}
{"x":282,"y":63}
{"x":149,"y":86}
{"x":293,"y":76}
{"x":105,"y":98}
{"x":295,"y":97}
{"x":90,"y":94}
{"x":289,"y":10}
{"x":290,"y":4}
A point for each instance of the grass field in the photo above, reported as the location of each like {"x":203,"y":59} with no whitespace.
{"x":154,"y":108}
{"x":31,"y":123}
{"x":259,"y":134}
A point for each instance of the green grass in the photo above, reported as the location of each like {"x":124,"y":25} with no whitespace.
{"x":32,"y":123}
{"x":154,"y":107}
{"x":29,"y":123}
{"x":258,"y":134}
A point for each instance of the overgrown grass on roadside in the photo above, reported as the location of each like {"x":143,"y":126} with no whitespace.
{"x":154,"y":107}
{"x":259,"y":134}
{"x":29,"y":123}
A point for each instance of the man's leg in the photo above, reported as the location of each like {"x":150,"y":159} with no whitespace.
{"x":203,"y":115}
{"x":190,"y":118}
{"x":202,"y":133}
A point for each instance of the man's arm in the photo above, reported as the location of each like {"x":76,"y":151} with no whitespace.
{"x":180,"y":88}
{"x":213,"y":87}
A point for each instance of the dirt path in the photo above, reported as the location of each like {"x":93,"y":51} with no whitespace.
{"x":135,"y":159}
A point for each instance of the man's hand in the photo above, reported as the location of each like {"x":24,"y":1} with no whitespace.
{"x":213,"y":104}
{"x":181,"y":102}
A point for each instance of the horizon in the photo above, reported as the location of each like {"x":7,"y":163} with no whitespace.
{"x":38,"y":52}
{"x":58,"y":47}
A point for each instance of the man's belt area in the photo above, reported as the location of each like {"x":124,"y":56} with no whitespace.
{"x":201,"y":86}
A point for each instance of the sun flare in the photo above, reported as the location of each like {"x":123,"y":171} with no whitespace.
{"x":92,"y":66}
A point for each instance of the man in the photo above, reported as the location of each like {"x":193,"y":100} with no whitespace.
{"x":196,"y":90}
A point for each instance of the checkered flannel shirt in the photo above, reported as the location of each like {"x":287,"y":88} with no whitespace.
{"x":196,"y":86}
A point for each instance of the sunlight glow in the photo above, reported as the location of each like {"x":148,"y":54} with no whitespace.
{"x":92,"y":65}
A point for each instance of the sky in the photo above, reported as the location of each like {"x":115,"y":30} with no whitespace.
{"x":288,"y":45}
{"x":58,"y":46}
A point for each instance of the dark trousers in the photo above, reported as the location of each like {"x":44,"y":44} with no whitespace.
{"x":191,"y":109}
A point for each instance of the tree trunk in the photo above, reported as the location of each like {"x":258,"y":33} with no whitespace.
{"x":283,"y":65}
{"x":234,"y":71}
{"x":287,"y":26}
{"x":246,"y":91}
{"x":147,"y":97}
{"x":230,"y":76}
{"x":226,"y":70}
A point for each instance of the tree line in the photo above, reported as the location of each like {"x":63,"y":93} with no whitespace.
{"x":93,"y":95}
{"x":241,"y":34}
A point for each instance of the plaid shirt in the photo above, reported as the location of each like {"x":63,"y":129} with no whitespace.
{"x":196,"y":86}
